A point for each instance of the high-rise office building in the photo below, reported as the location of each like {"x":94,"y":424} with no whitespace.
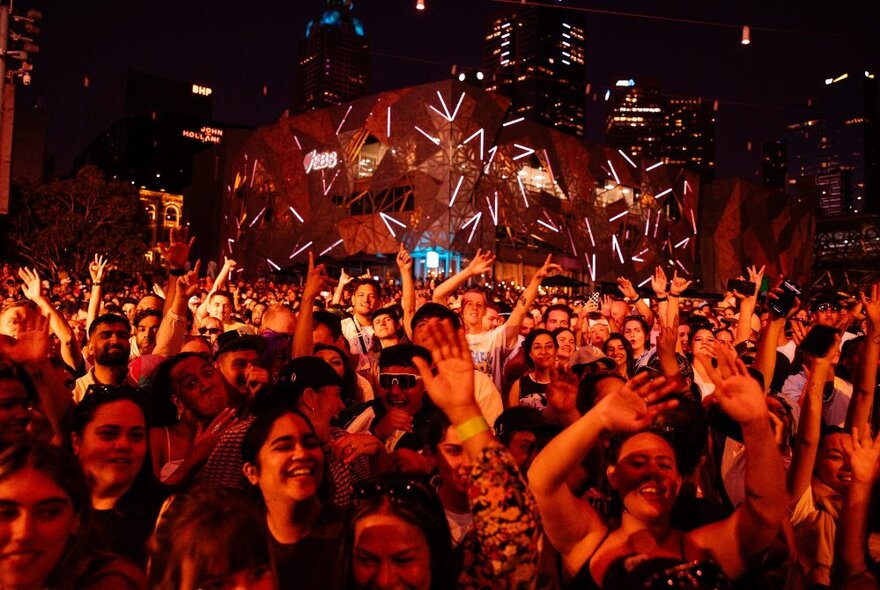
{"x":773,"y":164}
{"x":644,"y":122}
{"x":334,"y":59}
{"x":835,"y":144}
{"x":146,"y":129}
{"x":535,"y":56}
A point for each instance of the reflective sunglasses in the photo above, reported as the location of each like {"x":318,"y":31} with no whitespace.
{"x":210,"y":331}
{"x":827,"y":307}
{"x":402,"y":380}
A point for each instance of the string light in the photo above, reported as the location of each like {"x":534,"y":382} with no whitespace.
{"x":420,"y":4}
{"x":746,"y":39}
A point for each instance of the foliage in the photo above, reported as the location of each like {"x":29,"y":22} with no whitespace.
{"x":60,"y":225}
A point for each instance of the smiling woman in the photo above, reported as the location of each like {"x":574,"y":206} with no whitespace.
{"x":109,"y":437}
{"x":46,"y":536}
{"x":283,"y":457}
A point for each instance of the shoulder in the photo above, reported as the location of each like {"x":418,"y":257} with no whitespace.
{"x":114,"y":573}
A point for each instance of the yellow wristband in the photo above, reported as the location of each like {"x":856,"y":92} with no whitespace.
{"x":471,"y":428}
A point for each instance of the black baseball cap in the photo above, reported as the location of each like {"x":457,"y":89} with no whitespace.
{"x":523,"y":418}
{"x":434,"y":310}
{"x":308,"y":372}
{"x":233,"y":340}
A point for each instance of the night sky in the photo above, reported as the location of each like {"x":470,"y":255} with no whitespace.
{"x":237,"y":48}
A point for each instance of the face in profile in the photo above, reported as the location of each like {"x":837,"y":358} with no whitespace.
{"x":37,"y":520}
{"x":390,"y":553}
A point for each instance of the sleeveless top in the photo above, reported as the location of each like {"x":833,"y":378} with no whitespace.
{"x":640,"y":572}
{"x":171,"y":465}
{"x":532,"y":393}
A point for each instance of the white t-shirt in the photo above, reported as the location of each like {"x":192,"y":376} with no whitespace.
{"x":359,"y":339}
{"x":459,"y":525}
{"x":489,"y":350}
{"x":833,"y":411}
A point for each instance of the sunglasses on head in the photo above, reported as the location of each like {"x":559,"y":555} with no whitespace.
{"x":402,"y":380}
{"x":209,"y":331}
{"x":408,"y":491}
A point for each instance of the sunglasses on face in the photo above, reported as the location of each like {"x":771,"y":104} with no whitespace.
{"x":827,"y":307}
{"x":402,"y":380}
{"x":212,"y":331}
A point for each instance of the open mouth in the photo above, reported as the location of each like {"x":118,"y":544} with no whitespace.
{"x":21,"y":558}
{"x":845,"y":477}
{"x":397,"y":402}
{"x":653,"y":492}
{"x":301,"y":470}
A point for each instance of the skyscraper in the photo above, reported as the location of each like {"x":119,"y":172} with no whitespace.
{"x":773,"y":164}
{"x":644,"y":122}
{"x":535,"y":56}
{"x":334,"y":59}
{"x":834,"y":144}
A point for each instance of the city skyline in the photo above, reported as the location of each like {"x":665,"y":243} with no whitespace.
{"x":757,"y":87}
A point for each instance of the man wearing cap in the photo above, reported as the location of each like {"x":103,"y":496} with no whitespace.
{"x":825,"y":310}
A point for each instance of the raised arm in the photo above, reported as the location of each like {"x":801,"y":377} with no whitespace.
{"x":176,"y":255}
{"x":408,"y":299}
{"x":344,"y":279}
{"x":96,"y":271}
{"x":506,"y":521}
{"x":316,"y":279}
{"x":481,"y":263}
{"x":525,"y":301}
{"x":747,"y":304}
{"x":749,"y":531}
{"x":850,"y":568}
{"x":31,"y":351}
{"x":809,"y":427}
{"x":862,"y":402}
{"x":169,"y":337}
{"x":225,"y":271}
{"x":765,"y":358}
{"x":574,"y":528}
{"x":33,"y":290}
{"x":631,"y":295}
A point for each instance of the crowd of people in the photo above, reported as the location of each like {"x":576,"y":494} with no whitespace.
{"x":353,"y":433}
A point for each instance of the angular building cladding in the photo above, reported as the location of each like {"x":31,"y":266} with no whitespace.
{"x":836,"y":146}
{"x":444,"y":166}
{"x":643,"y":121}
{"x":535,"y":56}
{"x":334,"y":59}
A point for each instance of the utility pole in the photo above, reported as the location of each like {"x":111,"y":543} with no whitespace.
{"x":27,"y":47}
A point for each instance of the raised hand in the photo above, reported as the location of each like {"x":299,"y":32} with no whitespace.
{"x":755,"y":276}
{"x":659,"y":282}
{"x":394,"y":419}
{"x":32,"y":288}
{"x":667,"y":339}
{"x":176,"y":253}
{"x":344,"y":278}
{"x":632,"y":407}
{"x":775,"y":293}
{"x":208,"y":436}
{"x":739,"y":395}
{"x":678,"y":285}
{"x":871,"y":305}
{"x":188,"y":284}
{"x":316,"y":278}
{"x":404,"y":260}
{"x":547,"y":268}
{"x":562,"y":391}
{"x":96,"y":269}
{"x":31,"y":346}
{"x":865,"y":456}
{"x":626,"y":287}
{"x":452,"y":388}
{"x":607,"y":300}
{"x":481,"y":263}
